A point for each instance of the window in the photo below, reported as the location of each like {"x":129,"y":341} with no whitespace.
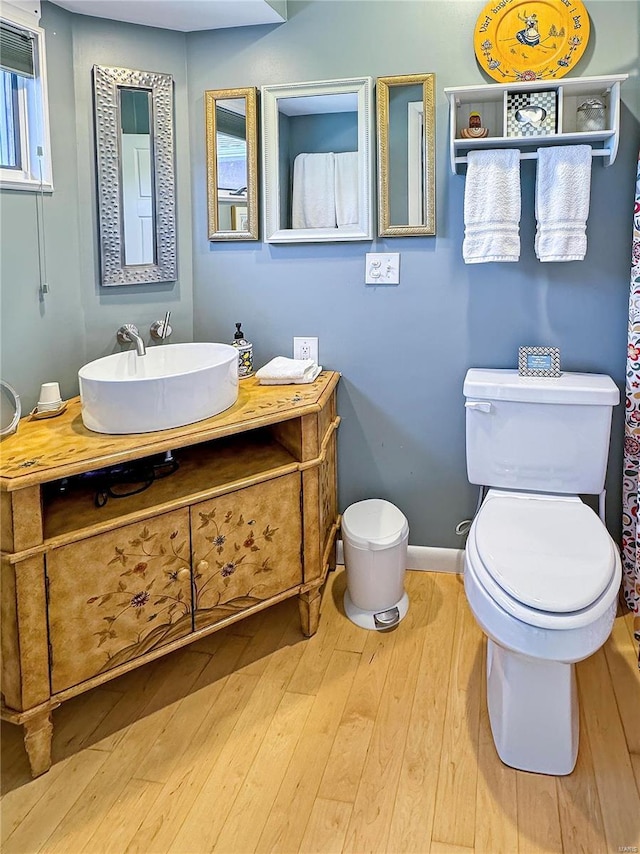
{"x":231,"y":148}
{"x":25,"y":159}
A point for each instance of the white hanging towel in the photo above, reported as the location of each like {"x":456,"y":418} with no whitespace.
{"x":283,"y":371}
{"x":314,"y":197}
{"x":492,"y":206}
{"x":347,"y":188}
{"x":563,"y":189}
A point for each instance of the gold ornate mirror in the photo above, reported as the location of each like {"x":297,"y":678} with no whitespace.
{"x":232,"y":158}
{"x":406,"y":155}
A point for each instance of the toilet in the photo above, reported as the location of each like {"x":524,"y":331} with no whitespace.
{"x":541,"y":573}
{"x":375,"y":537}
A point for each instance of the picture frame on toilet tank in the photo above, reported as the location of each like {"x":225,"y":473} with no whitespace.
{"x":538,"y":361}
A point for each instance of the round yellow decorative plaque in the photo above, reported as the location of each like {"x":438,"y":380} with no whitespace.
{"x":517,"y":41}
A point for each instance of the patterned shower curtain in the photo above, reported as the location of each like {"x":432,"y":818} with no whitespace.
{"x":631,"y":471}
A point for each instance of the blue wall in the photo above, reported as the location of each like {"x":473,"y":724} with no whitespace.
{"x":403,"y":351}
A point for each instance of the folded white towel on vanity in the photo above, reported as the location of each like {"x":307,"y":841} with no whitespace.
{"x":313,"y":203}
{"x":283,"y":371}
{"x":347,"y":188}
{"x":563,"y":190}
{"x":492,"y":206}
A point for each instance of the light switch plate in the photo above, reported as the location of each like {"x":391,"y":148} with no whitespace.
{"x":382,"y":268}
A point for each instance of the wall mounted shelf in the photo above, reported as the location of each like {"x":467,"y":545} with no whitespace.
{"x":493,"y":102}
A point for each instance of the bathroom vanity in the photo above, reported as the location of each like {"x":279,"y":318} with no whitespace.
{"x":89,"y":592}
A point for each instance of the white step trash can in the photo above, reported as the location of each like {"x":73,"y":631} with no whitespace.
{"x":375,"y":535}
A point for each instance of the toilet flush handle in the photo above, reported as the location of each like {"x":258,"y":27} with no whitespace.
{"x":479,"y":405}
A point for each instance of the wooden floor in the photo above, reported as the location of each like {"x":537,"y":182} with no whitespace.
{"x":258,"y":740}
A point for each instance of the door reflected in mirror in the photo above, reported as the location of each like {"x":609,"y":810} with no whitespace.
{"x":231,"y":139}
{"x":317,"y":161}
{"x":136,"y":156}
{"x":406,"y":155}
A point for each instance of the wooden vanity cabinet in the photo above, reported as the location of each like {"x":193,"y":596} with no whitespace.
{"x":90,"y":592}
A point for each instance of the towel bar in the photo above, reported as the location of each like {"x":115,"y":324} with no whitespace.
{"x":533,"y":155}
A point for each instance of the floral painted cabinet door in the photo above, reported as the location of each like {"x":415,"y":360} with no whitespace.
{"x":115,"y":596}
{"x":246,"y":548}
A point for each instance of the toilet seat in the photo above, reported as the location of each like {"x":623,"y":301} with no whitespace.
{"x":547,"y":560}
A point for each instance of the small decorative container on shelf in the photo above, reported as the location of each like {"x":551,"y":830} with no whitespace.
{"x":475,"y":129}
{"x":531,"y":113}
{"x":591,"y":115}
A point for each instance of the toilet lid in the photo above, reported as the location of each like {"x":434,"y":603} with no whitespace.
{"x":374,"y":524}
{"x":552,"y":554}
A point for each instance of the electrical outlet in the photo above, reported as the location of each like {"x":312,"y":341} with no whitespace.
{"x":305,"y":348}
{"x":382,"y":268}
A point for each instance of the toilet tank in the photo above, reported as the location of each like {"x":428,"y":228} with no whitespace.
{"x":546,"y":434}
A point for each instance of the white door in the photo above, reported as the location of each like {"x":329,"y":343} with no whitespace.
{"x":137,"y":199}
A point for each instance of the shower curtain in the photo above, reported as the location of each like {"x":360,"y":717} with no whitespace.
{"x":631,"y":471}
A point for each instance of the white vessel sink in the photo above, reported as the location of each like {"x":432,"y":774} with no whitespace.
{"x":170,"y":386}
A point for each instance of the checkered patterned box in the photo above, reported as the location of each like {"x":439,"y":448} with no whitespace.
{"x":539,"y":362}
{"x":524,"y":116}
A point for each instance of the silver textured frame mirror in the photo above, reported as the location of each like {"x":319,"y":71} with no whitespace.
{"x":232,"y":163}
{"x":136,"y":176}
{"x":406,"y":155}
{"x":317,"y":160}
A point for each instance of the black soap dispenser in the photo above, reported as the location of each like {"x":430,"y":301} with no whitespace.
{"x":245,"y":353}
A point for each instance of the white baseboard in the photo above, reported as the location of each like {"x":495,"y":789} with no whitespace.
{"x":425,"y":558}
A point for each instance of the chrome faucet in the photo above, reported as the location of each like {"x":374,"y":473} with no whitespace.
{"x":129,"y":334}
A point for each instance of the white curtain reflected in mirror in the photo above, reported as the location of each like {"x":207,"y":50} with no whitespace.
{"x":320,"y":137}
{"x":406,"y":155}
{"x":232,"y":164}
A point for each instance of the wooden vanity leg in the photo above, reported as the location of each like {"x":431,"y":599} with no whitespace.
{"x":333,"y":562}
{"x":38,"y":734}
{"x":309,"y":604}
